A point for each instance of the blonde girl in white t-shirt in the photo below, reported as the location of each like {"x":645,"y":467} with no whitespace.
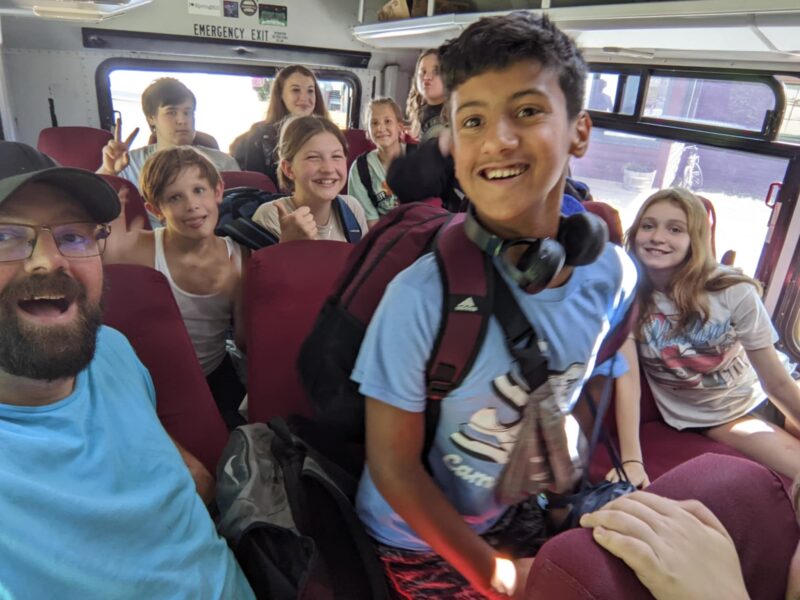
{"x":704,"y":338}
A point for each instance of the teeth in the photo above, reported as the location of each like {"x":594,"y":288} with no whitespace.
{"x":47,"y":298}
{"x":326,"y":181}
{"x":503,"y":173}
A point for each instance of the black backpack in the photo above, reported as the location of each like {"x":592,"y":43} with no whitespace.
{"x":240,"y":203}
{"x":287,"y":513}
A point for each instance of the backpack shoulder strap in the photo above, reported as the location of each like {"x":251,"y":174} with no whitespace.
{"x":617,"y":336}
{"x":467,"y":301}
{"x":366,"y":180}
{"x":352,"y":230}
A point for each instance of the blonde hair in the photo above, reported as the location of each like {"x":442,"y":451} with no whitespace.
{"x":416,"y":102}
{"x":398,"y":113}
{"x":277,"y":109}
{"x":294,"y":135}
{"x":699,"y":272}
{"x":163,"y":167}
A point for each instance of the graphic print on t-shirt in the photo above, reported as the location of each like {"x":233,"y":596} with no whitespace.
{"x":487,"y":438}
{"x":703,"y":355}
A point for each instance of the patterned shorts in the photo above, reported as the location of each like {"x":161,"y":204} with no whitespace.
{"x":520,"y":532}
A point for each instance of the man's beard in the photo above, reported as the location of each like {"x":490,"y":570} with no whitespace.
{"x":47,"y":352}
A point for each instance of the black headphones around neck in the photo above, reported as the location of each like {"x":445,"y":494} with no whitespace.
{"x":580,"y":241}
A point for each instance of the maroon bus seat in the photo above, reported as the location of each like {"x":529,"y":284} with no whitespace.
{"x":610,"y":215}
{"x":79,"y":147}
{"x":134,"y":208}
{"x":357,"y":143}
{"x":140,"y":304}
{"x":285,"y":287}
{"x":200,"y":139}
{"x":751,"y":502}
{"x":253,"y":179}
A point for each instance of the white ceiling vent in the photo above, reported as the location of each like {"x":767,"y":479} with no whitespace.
{"x":70,"y":10}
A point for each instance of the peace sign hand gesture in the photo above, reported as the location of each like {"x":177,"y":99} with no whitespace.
{"x":115,"y":152}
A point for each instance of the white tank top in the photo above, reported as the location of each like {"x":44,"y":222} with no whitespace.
{"x":207,"y":317}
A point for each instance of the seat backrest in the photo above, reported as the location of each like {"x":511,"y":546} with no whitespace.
{"x":200,"y":139}
{"x":285,"y":287}
{"x":610,"y":215}
{"x":749,"y":500}
{"x":134,"y":207}
{"x":253,"y":179}
{"x":80,"y":147}
{"x":140,"y":304}
{"x":357,"y":143}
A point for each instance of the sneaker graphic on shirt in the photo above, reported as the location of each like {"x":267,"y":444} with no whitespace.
{"x":485,"y":438}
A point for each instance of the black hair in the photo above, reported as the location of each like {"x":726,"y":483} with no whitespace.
{"x":495,"y":43}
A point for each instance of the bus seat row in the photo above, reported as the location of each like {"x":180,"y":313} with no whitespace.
{"x":79,"y":147}
{"x":82,"y":147}
{"x":285,"y":287}
{"x":140,"y":304}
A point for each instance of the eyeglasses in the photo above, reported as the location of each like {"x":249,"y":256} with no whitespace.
{"x":73,"y":240}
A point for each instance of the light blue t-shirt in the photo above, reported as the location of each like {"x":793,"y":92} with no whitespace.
{"x":476,"y":424}
{"x":96,"y":501}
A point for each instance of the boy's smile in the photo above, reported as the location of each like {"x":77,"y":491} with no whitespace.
{"x":512,"y":139}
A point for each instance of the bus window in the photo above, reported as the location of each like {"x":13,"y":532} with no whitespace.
{"x":227,"y":104}
{"x":623,"y":169}
{"x":742,"y":105}
{"x":602,"y":90}
{"x":790,"y":127}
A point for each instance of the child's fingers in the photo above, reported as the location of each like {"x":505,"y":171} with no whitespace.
{"x":130,"y":138}
{"x":118,"y":129}
{"x":283,"y":212}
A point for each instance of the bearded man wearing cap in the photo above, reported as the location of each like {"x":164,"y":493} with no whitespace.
{"x":96,"y":501}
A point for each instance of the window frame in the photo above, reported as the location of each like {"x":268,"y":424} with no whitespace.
{"x":769,"y":128}
{"x":104,"y":70}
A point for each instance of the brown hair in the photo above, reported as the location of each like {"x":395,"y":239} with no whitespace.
{"x":166,"y":91}
{"x":398,"y":113}
{"x":416,"y":102}
{"x":294,"y":135}
{"x":277,"y":109}
{"x":163,"y":167}
{"x":696,"y":275}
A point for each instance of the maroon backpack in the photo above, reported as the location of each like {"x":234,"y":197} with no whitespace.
{"x":472,"y":293}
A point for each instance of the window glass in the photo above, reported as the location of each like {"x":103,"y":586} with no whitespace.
{"x":790,"y":126}
{"x":624,"y":169}
{"x":227,"y":105}
{"x":601,"y":89}
{"x":736,"y":104}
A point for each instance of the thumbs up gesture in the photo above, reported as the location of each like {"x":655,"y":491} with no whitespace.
{"x":297,"y":225}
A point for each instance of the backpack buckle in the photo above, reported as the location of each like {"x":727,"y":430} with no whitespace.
{"x":438,"y":388}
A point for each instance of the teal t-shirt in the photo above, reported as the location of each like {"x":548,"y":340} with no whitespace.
{"x":96,"y":501}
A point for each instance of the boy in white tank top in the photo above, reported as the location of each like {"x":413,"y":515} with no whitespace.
{"x":183,"y":189}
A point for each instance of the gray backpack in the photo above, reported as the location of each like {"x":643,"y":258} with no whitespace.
{"x":287,"y":513}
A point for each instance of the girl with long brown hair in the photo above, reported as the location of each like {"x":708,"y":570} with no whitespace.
{"x":295,"y":92}
{"x":704,"y":338}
